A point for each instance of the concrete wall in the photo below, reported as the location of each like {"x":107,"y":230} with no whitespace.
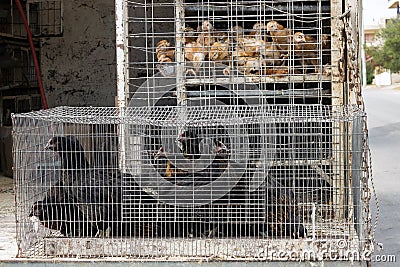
{"x":79,"y":68}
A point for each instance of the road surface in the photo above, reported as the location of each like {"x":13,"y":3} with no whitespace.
{"x":383,"y":111}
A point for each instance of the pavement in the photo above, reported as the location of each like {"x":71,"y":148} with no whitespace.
{"x":383,"y":111}
{"x":8,"y":243}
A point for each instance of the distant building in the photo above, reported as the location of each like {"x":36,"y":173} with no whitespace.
{"x":394,"y":4}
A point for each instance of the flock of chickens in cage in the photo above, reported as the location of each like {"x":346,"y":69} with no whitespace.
{"x":86,"y":201}
{"x":252,"y":52}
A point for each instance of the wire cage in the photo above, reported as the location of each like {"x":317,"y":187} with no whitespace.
{"x":284,"y":51}
{"x":225,"y":182}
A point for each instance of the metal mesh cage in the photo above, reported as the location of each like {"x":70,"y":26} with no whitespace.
{"x":224,"y":182}
{"x":285,"y":51}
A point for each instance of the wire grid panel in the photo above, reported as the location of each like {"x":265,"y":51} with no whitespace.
{"x":17,"y":67}
{"x":228,"y":182}
{"x":45,"y":17}
{"x":279,"y":50}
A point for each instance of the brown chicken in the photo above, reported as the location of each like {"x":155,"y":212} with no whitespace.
{"x":164,"y":51}
{"x":221,"y":36}
{"x":306,"y":49}
{"x":250,"y":65}
{"x":258,"y":31}
{"x":278,"y":71}
{"x":236,"y":33}
{"x":189,"y":35}
{"x":206,"y":38}
{"x":270,"y":52}
{"x":219,"y":51}
{"x":249,"y":47}
{"x":280,"y":35}
{"x":195,"y":53}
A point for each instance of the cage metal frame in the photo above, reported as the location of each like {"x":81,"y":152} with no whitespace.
{"x":33,"y":128}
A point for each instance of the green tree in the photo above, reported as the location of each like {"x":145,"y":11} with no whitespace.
{"x":387,"y":54}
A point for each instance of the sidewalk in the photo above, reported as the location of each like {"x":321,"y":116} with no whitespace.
{"x":8,"y":244}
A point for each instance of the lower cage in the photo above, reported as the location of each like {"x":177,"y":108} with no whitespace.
{"x":215,"y":182}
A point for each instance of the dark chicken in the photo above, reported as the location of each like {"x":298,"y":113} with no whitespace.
{"x":189,"y":144}
{"x":56,"y":212}
{"x":93,"y":194}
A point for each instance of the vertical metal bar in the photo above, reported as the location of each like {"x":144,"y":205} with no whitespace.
{"x":337,"y":85}
{"x":356,"y":163}
{"x":179,"y":53}
{"x":122,"y":72}
{"x":337,"y":102}
{"x":180,"y":63}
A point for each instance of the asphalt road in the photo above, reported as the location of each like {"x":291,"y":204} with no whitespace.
{"x":383,"y":111}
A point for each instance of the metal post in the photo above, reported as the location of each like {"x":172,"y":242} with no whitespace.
{"x":122,"y":73}
{"x":180,"y":64}
{"x":179,"y":53}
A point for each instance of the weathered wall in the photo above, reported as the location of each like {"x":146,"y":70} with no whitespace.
{"x":78,"y":68}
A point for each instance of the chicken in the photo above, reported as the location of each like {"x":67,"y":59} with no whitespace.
{"x":164,"y":51}
{"x":195,"y":53}
{"x":306,"y":49}
{"x":95,"y":192}
{"x":221,"y":36}
{"x":206,"y":37}
{"x":219,"y":51}
{"x":165,"y":166}
{"x":282,"y":214}
{"x":189,"y":35}
{"x":270,"y":52}
{"x":57,"y":212}
{"x":277,"y":71}
{"x":250,"y":65}
{"x":247,"y":55}
{"x":236,"y":33}
{"x":189,"y":144}
{"x":280,"y":35}
{"x":248,"y":47}
{"x":258,"y":31}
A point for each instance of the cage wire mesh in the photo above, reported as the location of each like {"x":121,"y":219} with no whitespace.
{"x":239,"y":181}
{"x":280,"y":50}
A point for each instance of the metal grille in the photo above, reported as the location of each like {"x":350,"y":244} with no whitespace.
{"x":17,"y":68}
{"x":45,"y":17}
{"x":227,"y":182}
